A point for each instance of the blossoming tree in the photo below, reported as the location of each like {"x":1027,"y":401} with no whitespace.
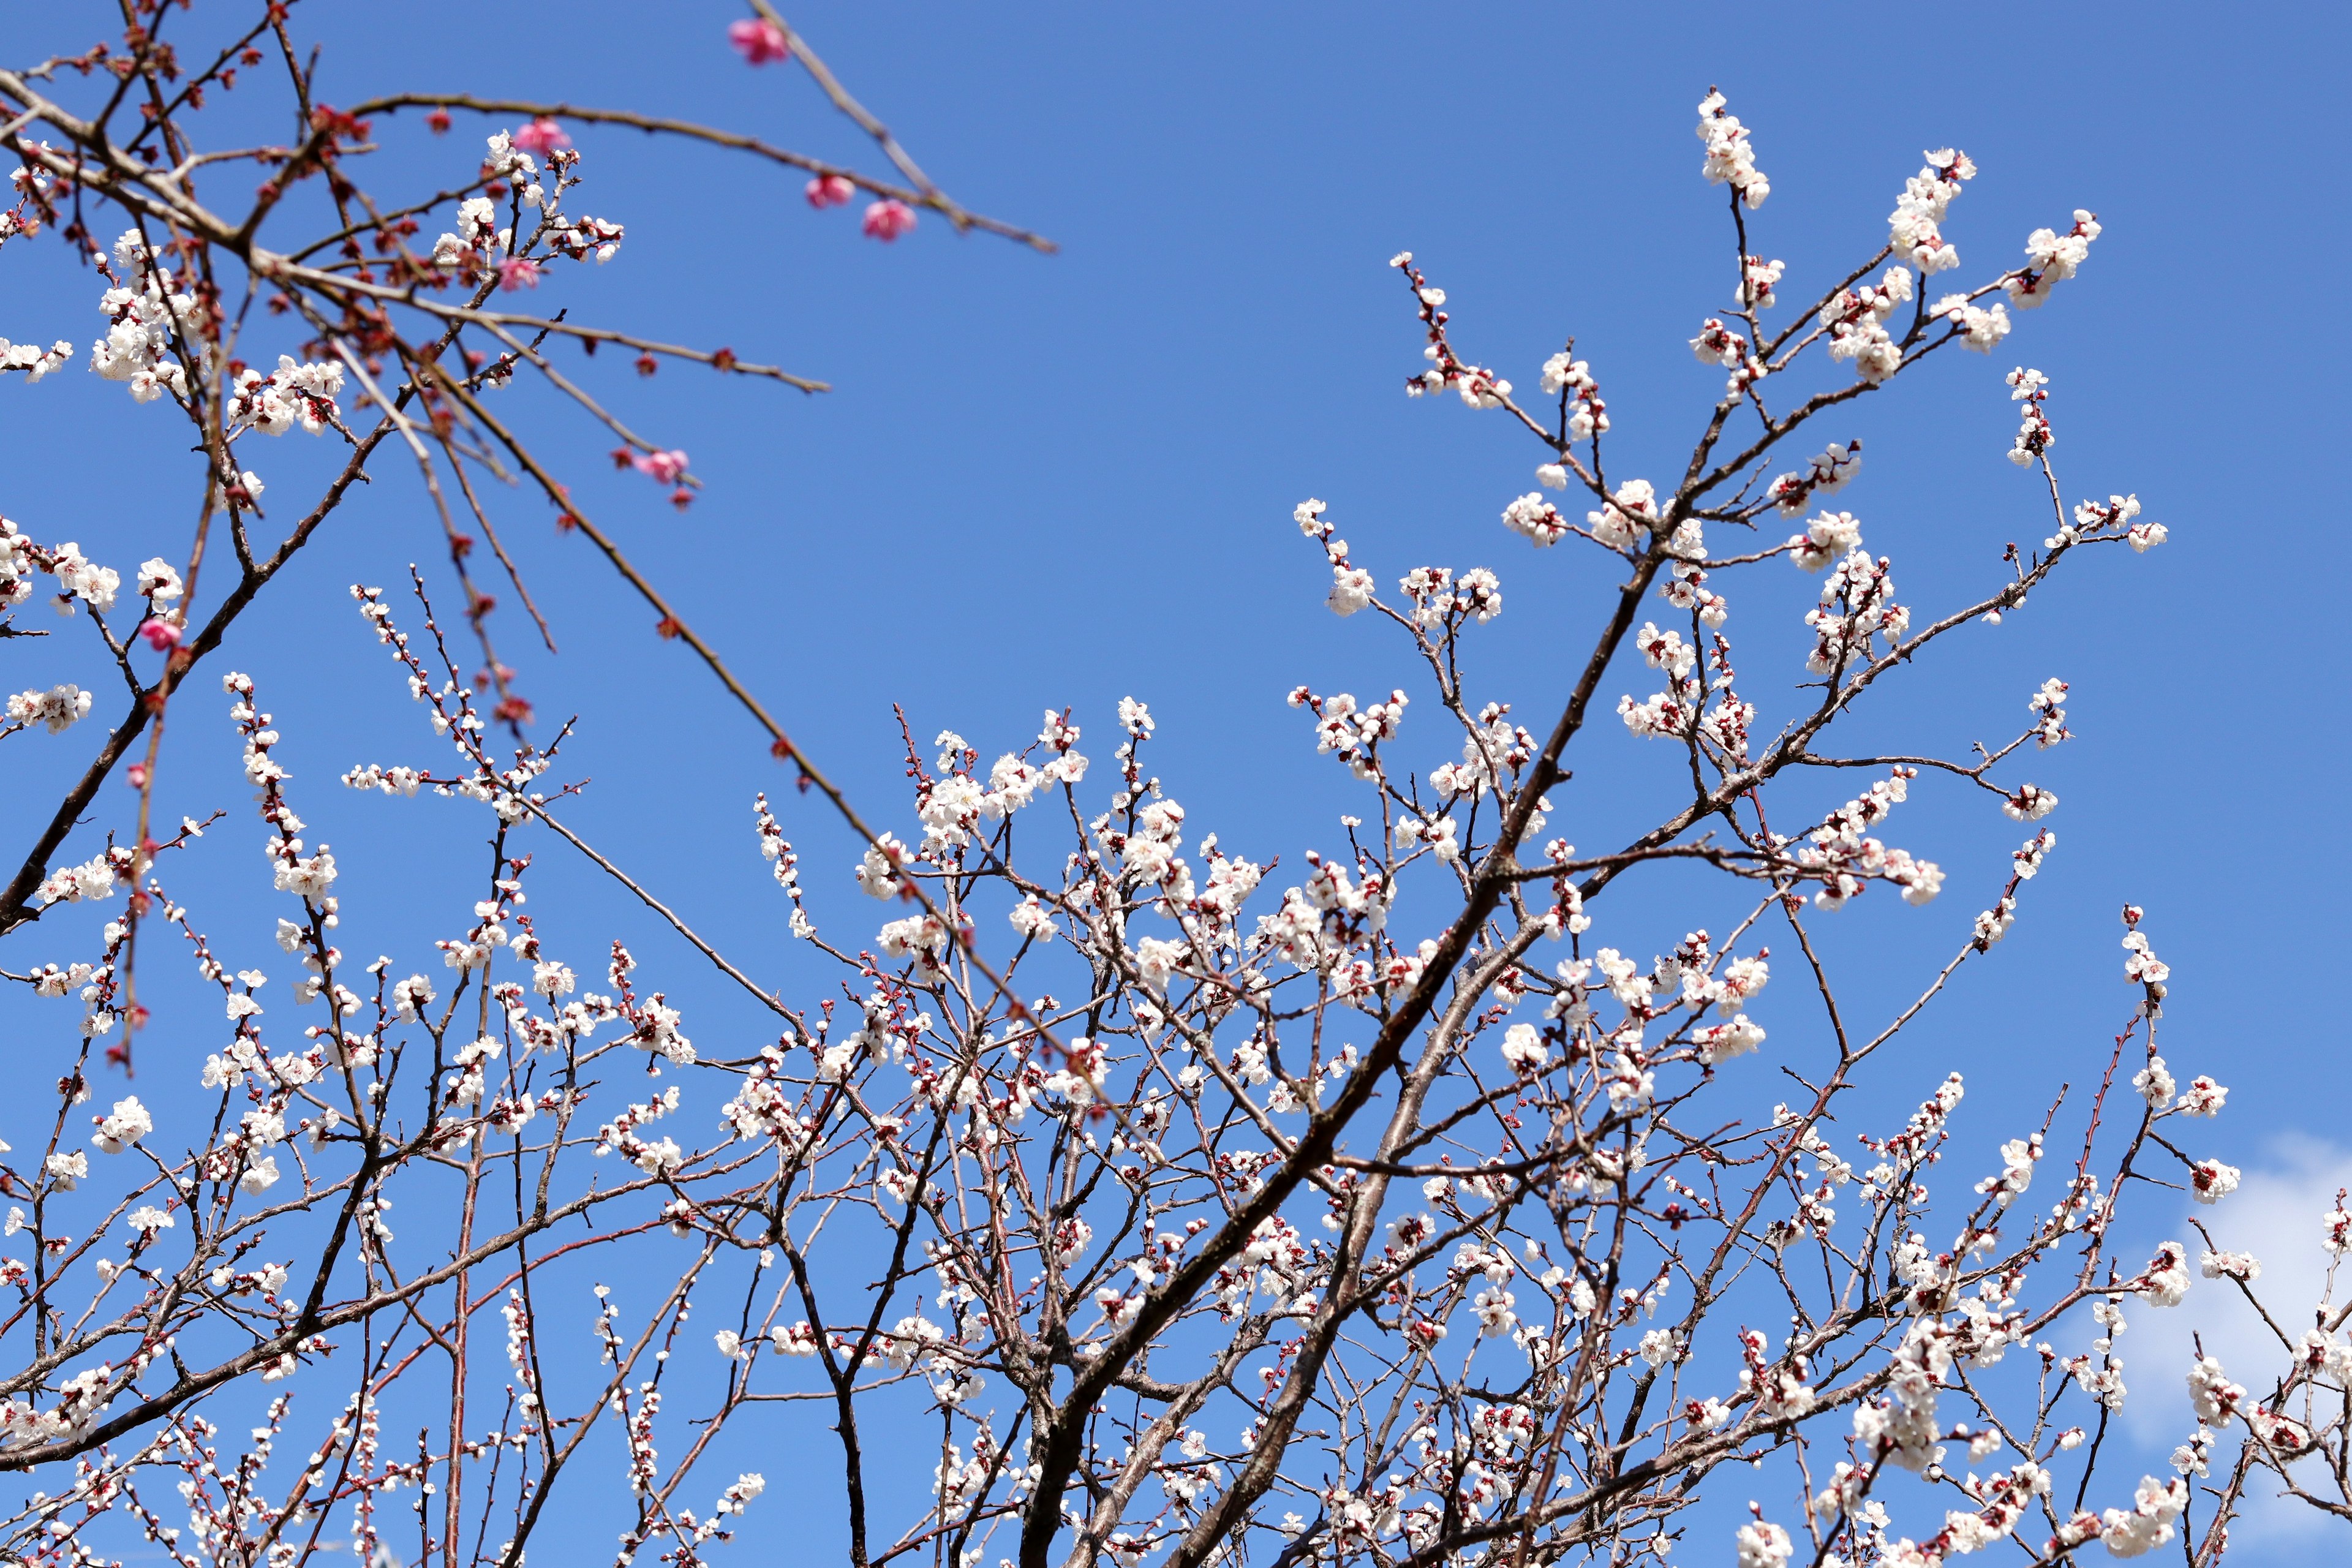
{"x":1390,"y":1209}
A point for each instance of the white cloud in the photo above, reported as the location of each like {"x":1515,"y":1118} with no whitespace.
{"x":2275,"y":1215}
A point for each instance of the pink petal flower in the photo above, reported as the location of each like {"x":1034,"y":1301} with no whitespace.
{"x":829,"y":191}
{"x":662,"y":468}
{"x":887,"y":220}
{"x":759,"y":40}
{"x":518,"y":272}
{"x":541,"y":136}
{"x":161,"y":634}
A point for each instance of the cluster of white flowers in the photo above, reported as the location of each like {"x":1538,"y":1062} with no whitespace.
{"x":1915,"y":227}
{"x":1570,"y":379}
{"x":1524,"y":1050}
{"x":1496,"y":748}
{"x":83,"y":579}
{"x":1856,"y":320}
{"x":1975,"y":326}
{"x":1844,"y":856}
{"x":125,"y":1125}
{"x":2029,"y":802}
{"x":1536,"y":520}
{"x":35,"y":363}
{"x":2095,"y":518}
{"x":1352,"y":585}
{"x":479,"y":250}
{"x":2149,"y":1522}
{"x":2210,"y":1181}
{"x":1901,"y":1422}
{"x":2050,"y":259}
{"x":2017,"y":1157}
{"x":1342,"y":728}
{"x":1480,"y":387}
{"x":1825,"y":474}
{"x":1718,"y":344}
{"x":1719,"y":1043}
{"x":1439,"y":597}
{"x":147,"y":311}
{"x":1758,"y":280}
{"x":2143,"y":967}
{"x":1685,"y":589}
{"x":1826,"y":538}
{"x":469,"y":253}
{"x":2032,"y":388}
{"x":1628,"y":518}
{"x":1857,"y":604}
{"x":580,"y":239}
{"x":93,"y":879}
{"x":291,"y":395}
{"x":1731,"y":155}
{"x":58,"y":708}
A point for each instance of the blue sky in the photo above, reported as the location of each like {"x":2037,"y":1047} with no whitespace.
{"x":1047,"y":482}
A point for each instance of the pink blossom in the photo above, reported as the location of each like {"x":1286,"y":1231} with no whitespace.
{"x":887,"y":220}
{"x":829,"y":191}
{"x":160,"y":635}
{"x":759,"y":40}
{"x":541,"y":136}
{"x":662,"y":468}
{"x":518,"y":272}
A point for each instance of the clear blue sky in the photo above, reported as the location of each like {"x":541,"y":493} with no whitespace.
{"x":1042,"y":481}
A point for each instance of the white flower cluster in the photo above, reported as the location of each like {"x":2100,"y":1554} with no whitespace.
{"x":1763,"y":1545}
{"x":1856,"y":320}
{"x":1844,"y":856}
{"x":2029,"y":802}
{"x":2149,"y":1522}
{"x":1318,"y":922}
{"x":34,"y":361}
{"x":1758,"y":280}
{"x":1857,"y":604}
{"x":2050,"y":259}
{"x":1718,"y":344}
{"x":2050,"y":714}
{"x":1535,"y":519}
{"x":1685,"y":589}
{"x":1343,"y":727}
{"x":1976,"y":328}
{"x":147,"y":311}
{"x":2032,"y":388}
{"x":1731,"y":155}
{"x":1480,"y":388}
{"x":1496,"y":747}
{"x":291,"y":395}
{"x":2117,"y":511}
{"x":579,"y":238}
{"x":763,"y":1107}
{"x":1825,"y":474}
{"x":82,"y":578}
{"x":1588,"y":415}
{"x":1352,"y":585}
{"x":94,"y":878}
{"x":1915,"y":227}
{"x":1629,"y":515}
{"x":1826,"y":537}
{"x":58,"y":708}
{"x":1439,"y":597}
{"x":467,"y":253}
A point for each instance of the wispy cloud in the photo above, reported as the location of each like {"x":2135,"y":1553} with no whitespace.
{"x":2275,"y":1215}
